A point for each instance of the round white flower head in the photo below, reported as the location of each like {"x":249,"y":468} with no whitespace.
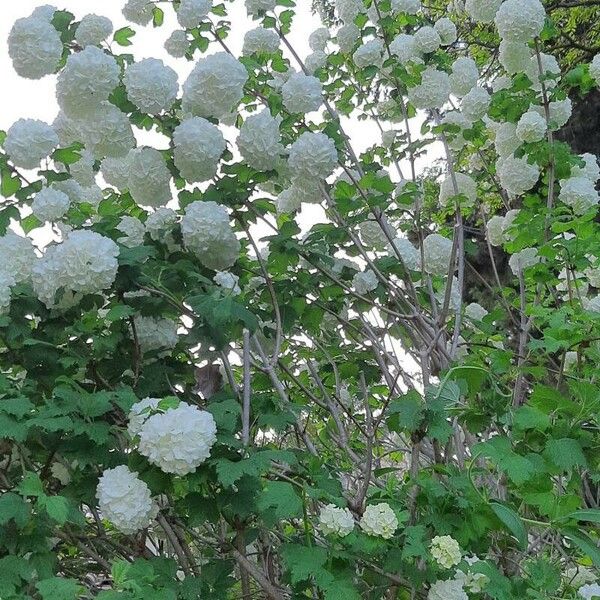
{"x":446,"y":30}
{"x":50,"y":204}
{"x":475,"y":104}
{"x":410,"y":7}
{"x":178,"y":440}
{"x":125,"y":500}
{"x":495,"y":230}
{"x":254,"y":7}
{"x":160,"y":223}
{"x":134,"y":231}
{"x":347,"y":36}
{"x":115,"y":172}
{"x":17,"y":256}
{"x":451,"y":589}
{"x":215,"y":86}
{"x":369,"y":54}
{"x":156,"y":334}
{"x":86,"y":81}
{"x":138,"y":414}
{"x":474,"y":582}
{"x":198,"y":147}
{"x":445,"y":551}
{"x":579,"y":193}
{"x":28,"y":141}
{"x":437,"y":251}
{"x":312,"y":155}
{"x":318,"y":39}
{"x":151,"y":85}
{"x":550,"y":71}
{"x":302,"y":93}
{"x":506,"y":140}
{"x":482,"y":11}
{"x":207,"y":233}
{"x":348,"y":10}
{"x":336,"y":521}
{"x":595,"y":69}
{"x":432,"y":92}
{"x":590,"y":170}
{"x":93,"y":30}
{"x":191,"y":12}
{"x":502,"y":82}
{"x":259,"y":141}
{"x":177,"y":43}
{"x":456,"y":141}
{"x":6,"y":283}
{"x":34,"y":47}
{"x":531,"y":127}
{"x":410,"y":255}
{"x":570,"y":281}
{"x":560,"y":113}
{"x":523,"y":260}
{"x":475,"y":312}
{"x":464,"y":76}
{"x":260,"y":40}
{"x":516,"y":175}
{"x":465,"y":186}
{"x":404,"y":47}
{"x":149,"y":178}
{"x":379,"y":520}
{"x":45,"y":12}
{"x":364,"y":282}
{"x":589,"y":591}
{"x":228,"y":282}
{"x":138,"y":11}
{"x":592,"y":304}
{"x":514,"y":56}
{"x":427,"y":39}
{"x":373,"y":236}
{"x":520,"y":20}
{"x":82,"y":171}
{"x":315,"y":61}
{"x":288,"y":201}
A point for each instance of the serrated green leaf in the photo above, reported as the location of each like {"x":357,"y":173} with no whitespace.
{"x":123,"y":36}
{"x":512,"y":521}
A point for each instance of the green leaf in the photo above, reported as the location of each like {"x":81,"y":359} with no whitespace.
{"x":512,"y":521}
{"x":584,"y":543}
{"x":31,"y":485}
{"x":57,"y":508}
{"x":122,"y":36}
{"x":10,"y":184}
{"x":304,"y":562}
{"x":158,"y":16}
{"x":58,"y":588}
{"x":586,"y":514}
{"x":406,"y":413}
{"x":13,"y":507}
{"x":565,"y":453}
{"x":280,"y":500}
{"x":67,"y":156}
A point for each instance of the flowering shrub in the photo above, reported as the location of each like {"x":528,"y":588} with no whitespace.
{"x":211,"y":390}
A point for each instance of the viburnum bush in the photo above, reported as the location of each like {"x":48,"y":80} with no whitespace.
{"x":203,"y":396}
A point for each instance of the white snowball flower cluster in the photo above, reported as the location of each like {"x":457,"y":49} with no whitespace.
{"x":595,"y":69}
{"x":155,"y":334}
{"x":259,"y":141}
{"x":198,"y":146}
{"x":466,"y":186}
{"x":85,"y":263}
{"x":464,"y":76}
{"x":228,"y":282}
{"x":410,"y":255}
{"x":410,"y":7}
{"x":427,"y":39}
{"x":115,"y":172}
{"x":133,"y":230}
{"x":473,"y":582}
{"x":506,"y":140}
{"x":347,"y":36}
{"x":403,"y":46}
{"x":520,"y":20}
{"x":207,"y":232}
{"x":149,"y":177}
{"x":369,"y":54}
{"x":215,"y":86}
{"x":82,"y":171}
{"x":178,"y":440}
{"x":318,"y":39}
{"x":432,"y":92}
{"x":560,"y":113}
{"x":50,"y":204}
{"x":6,"y":283}
{"x":151,"y":85}
{"x":336,"y":521}
{"x":28,"y":141}
{"x":125,"y":500}
{"x":86,"y":81}
{"x":549,"y":72}
{"x":589,"y":591}
{"x":364,"y":282}
{"x":254,"y":7}
{"x":160,"y":223}
{"x":93,"y":30}
{"x":302,"y":93}
{"x":34,"y":47}
{"x":515,"y":57}
{"x":516,"y":175}
{"x":579,"y":193}
{"x":138,"y":414}
{"x":348,"y":10}
{"x":475,"y":104}
{"x":475,"y":312}
{"x":45,"y":12}
{"x":373,"y":236}
{"x":379,"y":520}
{"x":590,"y":170}
{"x":437,"y":251}
{"x":177,"y":43}
{"x":17,"y":256}
{"x":531,"y":127}
{"x":191,"y":12}
{"x":451,"y":589}
{"x":497,"y":228}
{"x":138,"y":11}
{"x":482,"y":11}
{"x":260,"y":39}
{"x":456,"y":141}
{"x":312,"y":155}
{"x":523,"y":260}
{"x":315,"y":61}
{"x":446,"y":30}
{"x":446,"y":551}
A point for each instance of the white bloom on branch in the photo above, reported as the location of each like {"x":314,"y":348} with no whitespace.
{"x":348,"y":10}
{"x":446,"y":30}
{"x":160,"y":223}
{"x":93,"y":30}
{"x":260,"y":39}
{"x":579,"y":193}
{"x":315,"y":61}
{"x":437,"y":251}
{"x":318,"y":39}
{"x":364,"y":282}
{"x":50,"y":204}
{"x":82,"y":170}
{"x":403,"y":46}
{"x":379,"y":520}
{"x":475,"y":312}
{"x":259,"y":141}
{"x":151,"y":85}
{"x":191,"y":12}
{"x":336,"y":521}
{"x":17,"y":256}
{"x":506,"y":140}
{"x":515,"y":57}
{"x":465,"y":186}
{"x":595,"y":69}
{"x":228,"y":282}
{"x":531,"y":127}
{"x":464,"y":76}
{"x":495,"y":230}
{"x":523,"y":260}
{"x":134,"y":231}
{"x":149,"y":177}
{"x":589,"y":591}
{"x":373,"y":235}
{"x":177,"y":43}
{"x":410,"y":7}
{"x":451,"y":589}
{"x":28,"y":141}
{"x":254,"y":7}
{"x":550,"y":71}
{"x":446,"y":551}
{"x":432,"y":92}
{"x":347,"y":36}
{"x":156,"y":333}
{"x":475,"y":104}
{"x":427,"y":39}
{"x":312,"y":155}
{"x":482,"y":11}
{"x":6,"y":283}
{"x":590,"y":170}
{"x":302,"y":93}
{"x":520,"y":20}
{"x":45,"y":12}
{"x":125,"y":500}
{"x":139,"y":12}
{"x":411,"y":257}
{"x":516,"y":175}
{"x":369,"y":54}
{"x":116,"y":172}
{"x":138,"y":414}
